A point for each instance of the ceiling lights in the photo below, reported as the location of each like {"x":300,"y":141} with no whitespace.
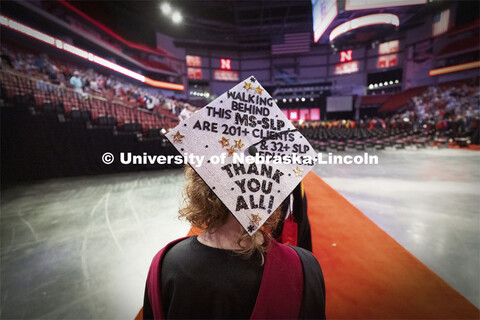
{"x":173,"y":14}
{"x":372,"y":86}
{"x":177,"y":17}
{"x":166,"y":8}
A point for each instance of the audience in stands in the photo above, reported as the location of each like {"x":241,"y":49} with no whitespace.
{"x":57,"y":86}
{"x":448,"y":108}
{"x":187,"y":112}
{"x":76,"y":82}
{"x":51,"y":74}
{"x":88,"y":81}
{"x":450,"y":111}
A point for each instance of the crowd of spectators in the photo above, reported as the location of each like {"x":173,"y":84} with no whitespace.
{"x":444,"y":108}
{"x":451,"y":111}
{"x":89,"y":81}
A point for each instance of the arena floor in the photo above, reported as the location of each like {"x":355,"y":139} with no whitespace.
{"x":80,"y":247}
{"x":428,"y":201}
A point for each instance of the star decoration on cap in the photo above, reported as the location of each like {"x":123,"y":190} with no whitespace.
{"x":225,"y":142}
{"x":231,"y":151}
{"x":258,"y":90}
{"x":248,"y":86}
{"x":239,"y":144}
{"x":177,"y":137}
{"x":250,"y":228}
{"x":298,"y":171}
{"x":252,"y":78}
{"x":255,"y":218}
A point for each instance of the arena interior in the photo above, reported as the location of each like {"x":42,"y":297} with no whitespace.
{"x":83,"y":82}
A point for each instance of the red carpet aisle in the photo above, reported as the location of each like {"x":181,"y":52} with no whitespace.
{"x":368,"y":274}
{"x":472,"y":147}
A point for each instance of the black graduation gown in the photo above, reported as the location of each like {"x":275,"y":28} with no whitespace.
{"x":201,"y":282}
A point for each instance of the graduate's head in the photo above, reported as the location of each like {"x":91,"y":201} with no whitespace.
{"x":204,"y":210}
{"x":241,"y":125}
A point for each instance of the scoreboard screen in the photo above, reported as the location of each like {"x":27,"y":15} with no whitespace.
{"x":323,"y":12}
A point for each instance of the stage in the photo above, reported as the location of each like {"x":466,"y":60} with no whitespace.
{"x":81,"y":247}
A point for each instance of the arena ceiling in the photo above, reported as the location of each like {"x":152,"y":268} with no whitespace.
{"x":233,"y":23}
{"x":230,"y":22}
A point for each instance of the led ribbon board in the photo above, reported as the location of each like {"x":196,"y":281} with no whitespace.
{"x":456,"y":68}
{"x":368,"y":20}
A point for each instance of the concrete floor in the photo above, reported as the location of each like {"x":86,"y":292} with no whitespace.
{"x":80,"y":247}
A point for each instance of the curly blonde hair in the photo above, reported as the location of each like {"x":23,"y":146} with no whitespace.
{"x":204,"y":210}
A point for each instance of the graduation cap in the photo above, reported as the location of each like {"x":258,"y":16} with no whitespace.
{"x":242,"y":125}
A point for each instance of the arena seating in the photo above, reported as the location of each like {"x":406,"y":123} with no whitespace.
{"x":425,"y":116}
{"x":43,"y":83}
{"x":421,"y":116}
{"x":341,"y":139}
{"x":398,"y":100}
{"x":374,"y":100}
{"x":49,"y":98}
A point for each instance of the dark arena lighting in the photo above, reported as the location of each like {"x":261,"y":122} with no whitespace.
{"x":312,"y":159}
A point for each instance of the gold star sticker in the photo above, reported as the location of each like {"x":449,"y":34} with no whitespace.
{"x":248,"y":85}
{"x":258,"y":90}
{"x":238,"y":144}
{"x":225,"y":142}
{"x":298,"y":171}
{"x":255,"y":218}
{"x":231,"y":151}
{"x":177,"y":137}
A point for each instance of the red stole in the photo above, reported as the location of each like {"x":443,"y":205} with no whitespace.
{"x":290,"y":232}
{"x":281,"y":289}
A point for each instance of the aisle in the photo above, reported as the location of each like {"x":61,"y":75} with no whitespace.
{"x":367,"y":273}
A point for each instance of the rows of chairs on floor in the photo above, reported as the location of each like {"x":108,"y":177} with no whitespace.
{"x":45,"y":97}
{"x":341,"y":139}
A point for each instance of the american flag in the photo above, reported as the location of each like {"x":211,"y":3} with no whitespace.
{"x":291,"y":43}
{"x":441,"y":22}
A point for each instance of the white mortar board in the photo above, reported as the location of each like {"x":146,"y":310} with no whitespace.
{"x":243,"y":122}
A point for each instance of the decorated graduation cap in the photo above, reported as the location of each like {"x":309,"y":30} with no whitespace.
{"x":253,"y":155}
